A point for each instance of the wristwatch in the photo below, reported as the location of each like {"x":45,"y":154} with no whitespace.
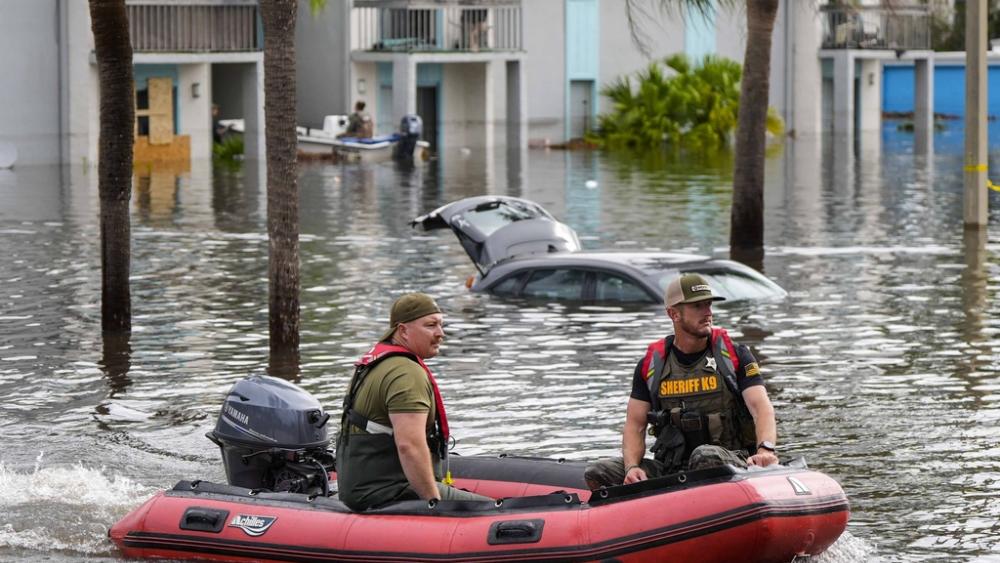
{"x":766,"y":445}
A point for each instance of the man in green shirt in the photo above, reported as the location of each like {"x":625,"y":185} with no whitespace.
{"x":394,"y":430}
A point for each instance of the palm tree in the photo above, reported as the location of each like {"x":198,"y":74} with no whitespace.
{"x":278,"y":19}
{"x":113,"y":49}
{"x":746,"y":232}
{"x":746,"y":237}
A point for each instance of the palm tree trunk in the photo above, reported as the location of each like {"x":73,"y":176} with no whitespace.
{"x":113,"y":48}
{"x":278,"y":18}
{"x":746,"y":237}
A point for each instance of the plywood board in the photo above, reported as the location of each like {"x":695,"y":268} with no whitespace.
{"x":161,"y":111}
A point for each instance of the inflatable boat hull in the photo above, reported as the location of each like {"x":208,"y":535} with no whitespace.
{"x":720,"y":514}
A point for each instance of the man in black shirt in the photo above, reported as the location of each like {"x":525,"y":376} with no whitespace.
{"x":703,"y":396}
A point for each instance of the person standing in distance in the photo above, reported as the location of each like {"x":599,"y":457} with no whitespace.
{"x":394,"y":429}
{"x":704,"y":398}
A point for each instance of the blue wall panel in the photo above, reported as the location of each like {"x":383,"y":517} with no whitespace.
{"x":583,"y":40}
{"x":699,"y":34}
{"x":949,"y":89}
{"x":429,"y":74}
{"x":583,"y":35}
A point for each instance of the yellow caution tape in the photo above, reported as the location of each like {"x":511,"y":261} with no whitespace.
{"x":976,"y":168}
{"x":992,"y":186}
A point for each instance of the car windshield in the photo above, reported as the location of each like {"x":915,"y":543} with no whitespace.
{"x":491,"y":216}
{"x":734,"y":286}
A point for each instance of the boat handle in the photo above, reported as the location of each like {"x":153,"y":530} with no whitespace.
{"x":202,"y":519}
{"x":515,"y":531}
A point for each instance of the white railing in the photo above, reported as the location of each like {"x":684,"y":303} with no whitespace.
{"x":876,"y":27}
{"x":193,"y":25}
{"x":426,"y":25}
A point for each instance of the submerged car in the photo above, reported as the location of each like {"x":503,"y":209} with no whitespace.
{"x":521,"y":250}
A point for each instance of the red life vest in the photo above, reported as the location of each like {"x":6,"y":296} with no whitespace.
{"x":382,"y":351}
{"x":659,"y":348}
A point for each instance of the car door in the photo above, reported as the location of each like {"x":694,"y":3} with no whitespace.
{"x":612,"y":287}
{"x":559,"y":284}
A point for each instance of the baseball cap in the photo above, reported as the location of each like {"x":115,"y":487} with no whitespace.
{"x":689,"y":288}
{"x":409,"y":307}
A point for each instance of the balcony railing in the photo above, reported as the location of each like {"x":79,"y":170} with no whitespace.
{"x":193,"y":26}
{"x":876,"y":27}
{"x":436,"y":25}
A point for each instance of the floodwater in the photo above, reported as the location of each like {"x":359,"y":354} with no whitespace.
{"x":882,"y":362}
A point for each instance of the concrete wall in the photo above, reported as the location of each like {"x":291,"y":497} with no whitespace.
{"x":30,"y":64}
{"x":80,"y":88}
{"x":195,"y":117}
{"x":367,"y":72}
{"x":464,"y":105}
{"x":731,"y":33}
{"x":545,"y":67}
{"x":322,"y":57}
{"x":796,"y":77}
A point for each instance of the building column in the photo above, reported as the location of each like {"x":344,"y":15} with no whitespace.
{"x":517,"y":105}
{"x":254,"y":146}
{"x":923,"y":103}
{"x":194,"y":92}
{"x":489,"y":107}
{"x":870,"y":95}
{"x":802,"y":77}
{"x":843,"y":92}
{"x":404,"y":86}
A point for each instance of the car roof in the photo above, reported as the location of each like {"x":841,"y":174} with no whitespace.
{"x":646,"y":263}
{"x":647,"y":268}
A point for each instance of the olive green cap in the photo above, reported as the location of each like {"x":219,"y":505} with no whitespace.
{"x":689,"y":288}
{"x":409,"y":307}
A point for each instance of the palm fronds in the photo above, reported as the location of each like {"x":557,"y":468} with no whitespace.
{"x":677,"y":102}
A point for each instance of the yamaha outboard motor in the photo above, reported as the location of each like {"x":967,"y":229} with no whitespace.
{"x":272,"y":435}
{"x":410,"y":129}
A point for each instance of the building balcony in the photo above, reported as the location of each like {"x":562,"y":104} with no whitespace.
{"x":891,"y":27}
{"x":436,"y":26}
{"x":194,"y":26}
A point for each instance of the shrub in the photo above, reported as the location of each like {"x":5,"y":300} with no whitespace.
{"x":694,"y":108}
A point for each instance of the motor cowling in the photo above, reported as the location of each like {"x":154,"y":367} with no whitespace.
{"x":410,"y":129}
{"x":273,"y":435}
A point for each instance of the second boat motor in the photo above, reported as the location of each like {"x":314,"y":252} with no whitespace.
{"x":410,"y":129}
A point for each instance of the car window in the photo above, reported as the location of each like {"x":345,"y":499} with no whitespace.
{"x":508,"y":286}
{"x":734,"y":285}
{"x":609,"y":287}
{"x":555,"y":284}
{"x":491,"y":216}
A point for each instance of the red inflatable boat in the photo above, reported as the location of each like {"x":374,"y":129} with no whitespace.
{"x":543,"y":513}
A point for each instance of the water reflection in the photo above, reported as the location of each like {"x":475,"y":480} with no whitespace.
{"x":974,"y":283}
{"x":156,"y":190}
{"x":881,"y":362}
{"x":116,"y":360}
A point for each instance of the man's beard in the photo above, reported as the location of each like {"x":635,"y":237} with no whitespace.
{"x":695,"y":328}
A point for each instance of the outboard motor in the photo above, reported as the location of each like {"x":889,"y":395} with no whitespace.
{"x":272,"y":435}
{"x":410,"y":129}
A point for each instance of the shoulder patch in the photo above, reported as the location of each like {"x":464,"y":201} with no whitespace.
{"x":753,"y":369}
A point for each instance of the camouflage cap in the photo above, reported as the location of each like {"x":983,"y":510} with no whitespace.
{"x":409,"y":307}
{"x":689,"y":288}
